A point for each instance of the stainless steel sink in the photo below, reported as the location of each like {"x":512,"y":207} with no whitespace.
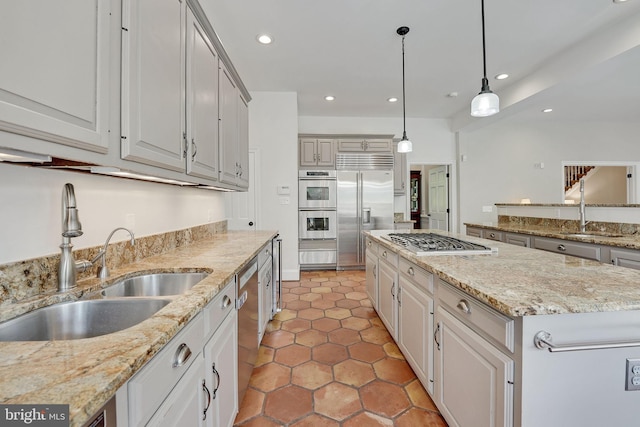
{"x":154,"y":285}
{"x":79,"y":319}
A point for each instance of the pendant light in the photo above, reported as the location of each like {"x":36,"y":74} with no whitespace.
{"x":404,"y":146}
{"x":486,"y":103}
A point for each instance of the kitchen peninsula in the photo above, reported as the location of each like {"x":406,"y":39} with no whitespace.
{"x":518,"y":337}
{"x":87,"y":373}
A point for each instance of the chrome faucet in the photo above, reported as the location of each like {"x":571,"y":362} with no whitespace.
{"x":103,"y":271}
{"x":71,"y":227}
{"x":583,"y":221}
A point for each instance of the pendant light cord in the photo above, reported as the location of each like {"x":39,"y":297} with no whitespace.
{"x":484,"y":51}
{"x":404,"y":124}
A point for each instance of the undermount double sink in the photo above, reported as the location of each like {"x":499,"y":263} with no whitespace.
{"x":122,"y":305}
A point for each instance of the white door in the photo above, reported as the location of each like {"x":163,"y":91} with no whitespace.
{"x":241,"y":206}
{"x":439,"y":198}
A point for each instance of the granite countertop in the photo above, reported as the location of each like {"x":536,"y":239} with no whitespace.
{"x":86,"y":373}
{"x":521,"y":281}
{"x":629,"y":241}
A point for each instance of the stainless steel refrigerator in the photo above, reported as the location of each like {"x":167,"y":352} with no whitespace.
{"x":364,"y":202}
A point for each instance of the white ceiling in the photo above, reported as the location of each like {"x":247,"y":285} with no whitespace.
{"x":580,"y":57}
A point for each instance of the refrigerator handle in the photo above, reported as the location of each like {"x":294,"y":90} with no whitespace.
{"x":366,"y":216}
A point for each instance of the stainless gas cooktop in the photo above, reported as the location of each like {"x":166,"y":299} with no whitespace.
{"x":436,"y":244}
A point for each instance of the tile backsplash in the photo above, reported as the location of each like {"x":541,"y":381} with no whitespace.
{"x":35,"y":277}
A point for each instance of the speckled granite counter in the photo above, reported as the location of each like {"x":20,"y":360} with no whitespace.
{"x":521,"y":281}
{"x":629,"y":241}
{"x":86,"y":373}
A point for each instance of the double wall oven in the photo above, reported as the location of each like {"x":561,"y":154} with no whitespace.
{"x":317,"y":219}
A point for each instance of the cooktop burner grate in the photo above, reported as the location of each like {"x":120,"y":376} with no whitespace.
{"x":436,"y":244}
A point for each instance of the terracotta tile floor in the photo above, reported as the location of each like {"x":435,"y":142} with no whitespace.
{"x":327,"y":360}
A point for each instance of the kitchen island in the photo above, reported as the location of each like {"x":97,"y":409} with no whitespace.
{"x":86,"y":373}
{"x":482,"y":362}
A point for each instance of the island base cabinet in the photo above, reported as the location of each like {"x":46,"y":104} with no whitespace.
{"x":415,"y":328}
{"x":586,"y":386}
{"x":387,"y":304}
{"x":474,"y":380}
{"x":372,"y":278}
{"x":221,"y":359}
{"x":186,"y":404}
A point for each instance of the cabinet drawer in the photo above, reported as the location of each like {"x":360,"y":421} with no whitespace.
{"x":517,"y":239}
{"x":389,"y":256}
{"x":372,"y":247}
{"x":475,"y":232}
{"x":151,"y":385}
{"x":492,"y":235}
{"x":264,"y":255}
{"x":416,"y":275}
{"x":477,"y":315}
{"x":567,"y":247}
{"x":216,"y":311}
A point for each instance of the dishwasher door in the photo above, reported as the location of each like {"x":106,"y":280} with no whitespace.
{"x":247,"y":306}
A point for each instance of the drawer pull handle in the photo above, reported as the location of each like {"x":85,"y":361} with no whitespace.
{"x":492,"y":235}
{"x":464,"y":306}
{"x":206,"y":390}
{"x":384,"y":254}
{"x":226,"y":301}
{"x":183,"y":353}
{"x":435,"y":336}
{"x":410,"y":271}
{"x":562,"y":248}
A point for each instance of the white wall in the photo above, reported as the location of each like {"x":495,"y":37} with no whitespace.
{"x":273,"y":132}
{"x":30,"y":209}
{"x":502,"y":160}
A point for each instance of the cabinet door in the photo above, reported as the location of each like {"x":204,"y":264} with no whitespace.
{"x":474,"y":380}
{"x":350,"y":145}
{"x":186,"y":403}
{"x":228,"y":114}
{"x":221,"y":366}
{"x":475,"y":232}
{"x":202,"y":102}
{"x":399,"y":173}
{"x":388,"y":288}
{"x":378,"y":144}
{"x":54,"y":78}
{"x":243,"y":143}
{"x":372,"y":278}
{"x":307,"y":154}
{"x":415,"y":329}
{"x":153,"y":82}
{"x":265,"y":296}
{"x":326,"y":152}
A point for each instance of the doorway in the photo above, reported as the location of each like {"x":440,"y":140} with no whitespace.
{"x":434,"y":196}
{"x":415,"y":198}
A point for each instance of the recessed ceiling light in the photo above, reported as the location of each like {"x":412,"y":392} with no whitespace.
{"x":264,"y":38}
{"x":392,"y":99}
{"x":620,"y":1}
{"x":329,"y":98}
{"x":502,"y":76}
{"x":452,"y":94}
{"x":547,"y":110}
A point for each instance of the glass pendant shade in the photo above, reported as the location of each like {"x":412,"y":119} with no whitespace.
{"x":485,"y":104}
{"x":405,"y":146}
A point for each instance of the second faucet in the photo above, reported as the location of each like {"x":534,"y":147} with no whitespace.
{"x":103,"y":271}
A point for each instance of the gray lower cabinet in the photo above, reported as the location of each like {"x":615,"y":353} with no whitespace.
{"x":568,"y":247}
{"x":517,"y":239}
{"x":371,"y":266}
{"x":625,"y":258}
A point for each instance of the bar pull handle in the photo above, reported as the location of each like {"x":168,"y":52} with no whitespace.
{"x":543,"y":340}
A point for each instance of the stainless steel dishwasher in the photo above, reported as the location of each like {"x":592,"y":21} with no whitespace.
{"x":247,"y":306}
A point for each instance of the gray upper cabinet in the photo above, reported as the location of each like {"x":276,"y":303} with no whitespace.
{"x":366,"y":144}
{"x":202,"y":102}
{"x":399,"y":172}
{"x":54,"y":78}
{"x":317,"y":152}
{"x":153,"y":81}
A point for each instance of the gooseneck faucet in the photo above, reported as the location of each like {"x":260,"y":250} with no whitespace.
{"x":103,"y":271}
{"x":71,"y":227}
{"x":583,"y":221}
